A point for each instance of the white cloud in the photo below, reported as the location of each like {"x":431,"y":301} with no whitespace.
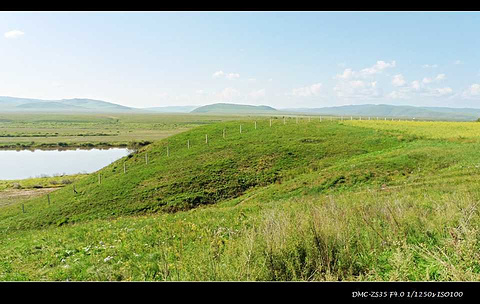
{"x":406,"y":91}
{"x":312,"y":90}
{"x":475,"y":89}
{"x":366,"y":72}
{"x":427,"y":80}
{"x":415,"y":85}
{"x":257,"y":94}
{"x":218,"y":74}
{"x":228,"y":93}
{"x":377,"y":68}
{"x":398,"y":80}
{"x":399,"y":94}
{"x":357,"y":84}
{"x":440,"y":77}
{"x":472,"y":92}
{"x":232,"y":76}
{"x":438,"y":92}
{"x":352,"y":84}
{"x":357,"y":89}
{"x":421,"y":88}
{"x":457,"y":62}
{"x":347,"y":74}
{"x":426,"y":66}
{"x":13,"y":34}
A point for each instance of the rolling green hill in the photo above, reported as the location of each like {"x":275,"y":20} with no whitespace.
{"x":204,"y":174}
{"x":228,"y":108}
{"x":309,"y":201}
{"x":78,"y":105}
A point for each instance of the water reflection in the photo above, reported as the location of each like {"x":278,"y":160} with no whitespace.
{"x":27,"y":163}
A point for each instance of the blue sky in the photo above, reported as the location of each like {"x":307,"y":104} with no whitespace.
{"x":281,"y":59}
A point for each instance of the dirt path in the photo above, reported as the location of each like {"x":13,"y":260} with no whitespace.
{"x":11,"y":196}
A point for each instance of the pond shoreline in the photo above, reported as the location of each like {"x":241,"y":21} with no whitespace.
{"x":49,"y":147}
{"x":73,"y":146}
{"x":31,"y":163}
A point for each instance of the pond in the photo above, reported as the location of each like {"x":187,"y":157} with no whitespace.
{"x":26,"y":164}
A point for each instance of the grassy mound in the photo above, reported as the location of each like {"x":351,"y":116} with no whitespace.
{"x":206,"y":173}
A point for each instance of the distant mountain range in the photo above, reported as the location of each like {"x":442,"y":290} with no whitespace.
{"x":14,"y":104}
{"x":77,"y":105}
{"x":383,"y":110}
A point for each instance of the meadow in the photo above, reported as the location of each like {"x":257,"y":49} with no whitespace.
{"x":66,"y":131}
{"x":313,"y":200}
{"x":15,"y":191}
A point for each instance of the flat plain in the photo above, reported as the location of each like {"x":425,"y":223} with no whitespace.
{"x":54,"y":131}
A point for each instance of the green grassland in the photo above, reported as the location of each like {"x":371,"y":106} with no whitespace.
{"x":330,"y":200}
{"x":16,"y":191}
{"x":52,"y":131}
{"x":453,"y":131}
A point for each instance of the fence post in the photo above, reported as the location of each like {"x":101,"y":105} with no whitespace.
{"x":206,"y":138}
{"x":23,"y":208}
{"x":99,"y":178}
{"x":240,"y":129}
{"x":146,"y":158}
{"x":270,"y":122}
{"x":255,"y":125}
{"x":283,"y":119}
{"x":188,"y":144}
{"x":124,"y":168}
{"x":168,"y":151}
{"x":48,"y":198}
{"x":224,"y":133}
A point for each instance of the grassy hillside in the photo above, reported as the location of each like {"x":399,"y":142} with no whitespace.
{"x":227,"y":108}
{"x":307,"y":201}
{"x":204,"y":174}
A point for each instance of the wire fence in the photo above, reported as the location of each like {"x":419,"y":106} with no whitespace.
{"x":286,"y":118}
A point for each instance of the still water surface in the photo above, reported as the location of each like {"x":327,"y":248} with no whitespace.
{"x":26,"y":163}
